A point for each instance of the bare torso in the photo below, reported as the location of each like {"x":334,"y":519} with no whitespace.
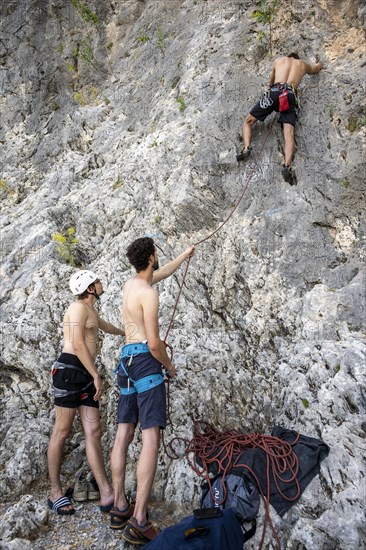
{"x":132,"y":312}
{"x":90,"y":330}
{"x":288,"y":69}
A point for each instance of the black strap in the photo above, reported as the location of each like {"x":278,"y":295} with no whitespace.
{"x":61,"y":366}
{"x":248,"y":534}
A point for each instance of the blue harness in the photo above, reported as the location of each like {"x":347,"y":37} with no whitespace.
{"x":143,"y":384}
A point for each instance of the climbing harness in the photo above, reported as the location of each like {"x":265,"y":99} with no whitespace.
{"x":285,"y":89}
{"x":59,"y":392}
{"x":143,"y":384}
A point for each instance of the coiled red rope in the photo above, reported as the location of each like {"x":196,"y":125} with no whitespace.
{"x":222,"y":450}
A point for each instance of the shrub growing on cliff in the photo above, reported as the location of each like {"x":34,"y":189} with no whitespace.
{"x":85,"y":12}
{"x":67,"y":245}
{"x":265,"y":14}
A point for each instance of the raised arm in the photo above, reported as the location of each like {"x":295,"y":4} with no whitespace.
{"x":109,"y":328}
{"x":150,"y":308}
{"x":313,"y":69}
{"x":169,"y":268}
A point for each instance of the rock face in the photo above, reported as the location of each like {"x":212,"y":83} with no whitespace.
{"x":121,"y":119}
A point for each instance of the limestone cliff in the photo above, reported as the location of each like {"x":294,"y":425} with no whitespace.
{"x":121,"y":119}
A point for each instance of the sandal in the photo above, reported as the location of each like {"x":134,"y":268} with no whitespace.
{"x":135,"y":534}
{"x":59,"y":505}
{"x":119,"y":518}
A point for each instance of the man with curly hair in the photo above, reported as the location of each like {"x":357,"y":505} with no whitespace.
{"x":142,"y":389}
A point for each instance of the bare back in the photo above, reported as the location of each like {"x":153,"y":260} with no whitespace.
{"x":290,"y":70}
{"x":132,"y":312}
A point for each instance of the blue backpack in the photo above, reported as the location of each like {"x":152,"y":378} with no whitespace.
{"x":213,"y":533}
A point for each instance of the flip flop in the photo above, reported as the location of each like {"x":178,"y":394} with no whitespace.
{"x":59,"y":505}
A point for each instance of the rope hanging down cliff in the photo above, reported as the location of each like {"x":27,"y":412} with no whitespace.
{"x":209,"y":236}
{"x":277,"y":456}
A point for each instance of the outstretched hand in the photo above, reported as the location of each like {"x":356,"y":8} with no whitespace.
{"x":190,"y":251}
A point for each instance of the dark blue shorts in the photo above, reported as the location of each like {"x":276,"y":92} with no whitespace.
{"x":77,"y":385}
{"x":286,"y":117}
{"x":148,"y":407}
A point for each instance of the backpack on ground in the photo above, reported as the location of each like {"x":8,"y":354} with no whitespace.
{"x":222,"y":532}
{"x":241,"y":495}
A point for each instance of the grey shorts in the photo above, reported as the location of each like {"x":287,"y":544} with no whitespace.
{"x":148,"y":407}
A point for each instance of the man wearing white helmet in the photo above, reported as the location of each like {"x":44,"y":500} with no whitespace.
{"x":78,"y":386}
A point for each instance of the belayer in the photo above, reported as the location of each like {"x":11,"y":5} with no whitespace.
{"x":281,"y":96}
{"x":142,"y":390}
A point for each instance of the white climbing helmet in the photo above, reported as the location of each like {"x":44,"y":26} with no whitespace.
{"x":81,"y":280}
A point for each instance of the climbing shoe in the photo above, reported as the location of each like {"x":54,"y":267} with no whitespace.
{"x":288,"y":174}
{"x":134,"y":534}
{"x":244,"y":154}
{"x":119,"y":518}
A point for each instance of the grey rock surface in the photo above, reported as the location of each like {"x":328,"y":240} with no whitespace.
{"x":130,"y":126}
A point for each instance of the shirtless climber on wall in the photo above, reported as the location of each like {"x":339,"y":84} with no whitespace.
{"x":286,"y":75}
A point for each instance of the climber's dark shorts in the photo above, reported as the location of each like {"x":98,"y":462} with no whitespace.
{"x":286,"y":117}
{"x":79,"y":383}
{"x":148,"y":407}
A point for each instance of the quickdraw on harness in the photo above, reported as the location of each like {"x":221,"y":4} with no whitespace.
{"x":265,"y":101}
{"x":58,"y":392}
{"x":143,"y":384}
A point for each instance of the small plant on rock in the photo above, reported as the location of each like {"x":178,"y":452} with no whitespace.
{"x":182,"y":104}
{"x":143,"y":37}
{"x":160,"y":39}
{"x":265,"y":14}
{"x":85,"y":12}
{"x":79,"y":98}
{"x":118,"y":184}
{"x":4,"y":187}
{"x":67,"y":245}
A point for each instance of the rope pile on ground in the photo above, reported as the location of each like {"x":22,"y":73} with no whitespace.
{"x":212,"y":451}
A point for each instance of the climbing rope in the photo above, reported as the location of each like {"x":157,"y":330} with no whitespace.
{"x":209,"y":236}
{"x":211,"y":450}
{"x":279,"y":454}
